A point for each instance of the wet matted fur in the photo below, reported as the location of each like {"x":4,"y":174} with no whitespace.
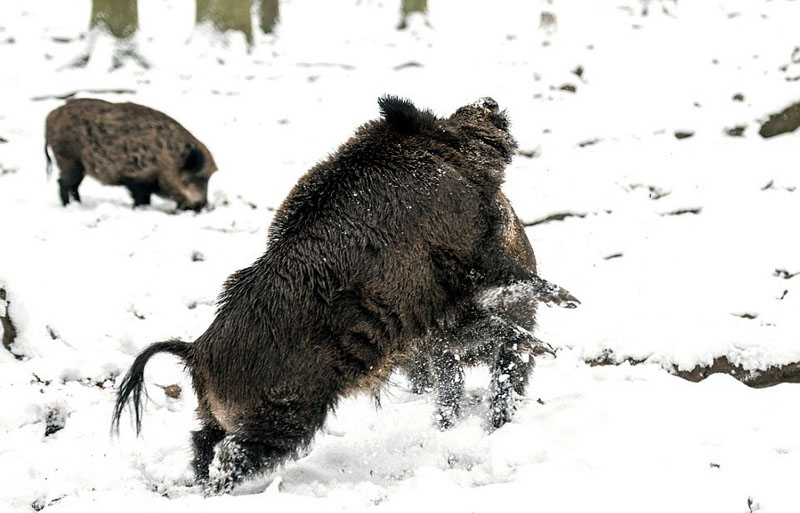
{"x":377,"y":249}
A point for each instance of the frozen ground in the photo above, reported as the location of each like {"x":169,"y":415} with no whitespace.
{"x":91,"y":285}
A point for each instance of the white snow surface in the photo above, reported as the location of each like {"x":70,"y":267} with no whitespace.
{"x":91,"y":285}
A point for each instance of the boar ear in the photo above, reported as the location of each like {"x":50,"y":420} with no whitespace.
{"x":194,"y":161}
{"x":403,"y":116}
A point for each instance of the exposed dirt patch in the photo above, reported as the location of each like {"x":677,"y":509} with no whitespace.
{"x":771,"y":376}
{"x":736,"y":131}
{"x":784,"y":121}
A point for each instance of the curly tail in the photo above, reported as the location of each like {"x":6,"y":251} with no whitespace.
{"x":133,"y":382}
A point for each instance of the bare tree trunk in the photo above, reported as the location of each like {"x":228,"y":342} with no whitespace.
{"x":120,"y":20}
{"x":9,"y":331}
{"x":226,"y":15}
{"x":409,"y":7}
{"x":268,"y":15}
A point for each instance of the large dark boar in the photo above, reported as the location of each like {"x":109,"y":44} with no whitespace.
{"x":130,"y":145}
{"x":391,"y":240}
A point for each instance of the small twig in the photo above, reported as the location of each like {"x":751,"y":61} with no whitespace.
{"x":783,"y":273}
{"x":588,"y":143}
{"x":326,"y":65}
{"x":560,"y":216}
{"x":530,"y":154}
{"x":409,"y":64}
{"x":695,"y":210}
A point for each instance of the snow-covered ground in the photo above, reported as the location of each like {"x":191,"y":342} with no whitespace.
{"x":90,"y":285}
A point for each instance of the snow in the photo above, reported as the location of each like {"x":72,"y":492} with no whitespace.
{"x":92,"y":284}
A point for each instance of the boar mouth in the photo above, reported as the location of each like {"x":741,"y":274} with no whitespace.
{"x":197,"y":207}
{"x":503,"y":148}
{"x":500,"y":120}
{"x":491,"y":109}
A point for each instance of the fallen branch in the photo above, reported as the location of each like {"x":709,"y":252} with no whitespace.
{"x":695,"y":210}
{"x":90,"y":91}
{"x":560,"y":216}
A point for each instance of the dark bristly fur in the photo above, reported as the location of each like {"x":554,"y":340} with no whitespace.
{"x":404,"y":116}
{"x":130,"y":145}
{"x":394,"y":243}
{"x":500,"y":338}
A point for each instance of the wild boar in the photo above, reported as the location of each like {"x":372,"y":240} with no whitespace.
{"x":494,"y":329}
{"x":383,"y":244}
{"x":130,"y":145}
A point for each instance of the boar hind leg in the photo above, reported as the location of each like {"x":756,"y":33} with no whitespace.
{"x":70,"y":177}
{"x":235,"y":460}
{"x":448,"y":379}
{"x":204,"y":441}
{"x":279,"y":428}
{"x":511,"y":369}
{"x":419,"y":375}
{"x":242,"y":456}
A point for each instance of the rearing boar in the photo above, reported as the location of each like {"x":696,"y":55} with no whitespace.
{"x":387,"y":242}
{"x":130,"y":145}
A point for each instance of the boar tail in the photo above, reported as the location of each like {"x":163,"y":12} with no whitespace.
{"x":47,"y":156}
{"x":132,"y":384}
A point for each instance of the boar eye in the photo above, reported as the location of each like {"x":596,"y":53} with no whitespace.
{"x":194,"y":161}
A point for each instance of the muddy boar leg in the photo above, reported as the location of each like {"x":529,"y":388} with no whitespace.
{"x":521,"y":283}
{"x":419,"y":375}
{"x":140,"y":192}
{"x":504,"y":278}
{"x":510,"y":372}
{"x":270,"y":434}
{"x":204,"y":441}
{"x":448,"y":378}
{"x":235,"y":460}
{"x":71,"y":174}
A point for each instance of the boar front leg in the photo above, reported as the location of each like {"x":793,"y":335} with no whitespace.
{"x":140,"y":192}
{"x":536,"y":287}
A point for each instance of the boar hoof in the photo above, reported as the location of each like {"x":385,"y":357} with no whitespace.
{"x":556,"y":296}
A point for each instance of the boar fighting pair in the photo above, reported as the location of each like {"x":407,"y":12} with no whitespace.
{"x":398,"y":252}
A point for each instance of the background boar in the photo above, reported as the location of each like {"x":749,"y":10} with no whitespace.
{"x":131,"y":145}
{"x":375,"y":249}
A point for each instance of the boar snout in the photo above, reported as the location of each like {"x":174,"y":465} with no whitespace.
{"x":197,"y":206}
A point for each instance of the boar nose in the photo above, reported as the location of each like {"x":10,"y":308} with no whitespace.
{"x":490,"y":104}
{"x":197,"y":206}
